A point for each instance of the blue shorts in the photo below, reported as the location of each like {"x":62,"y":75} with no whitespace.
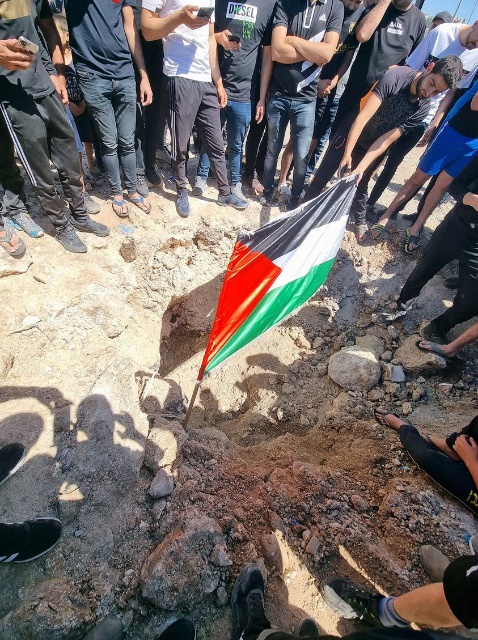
{"x":450,"y":151}
{"x":79,"y":144}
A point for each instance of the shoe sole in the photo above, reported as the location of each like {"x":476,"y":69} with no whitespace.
{"x":43,"y":552}
{"x":336,"y":603}
{"x":102,"y":234}
{"x":73,"y":250}
{"x":234,"y":206}
{"x":15,"y":468}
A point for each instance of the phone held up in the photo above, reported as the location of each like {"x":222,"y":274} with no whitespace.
{"x":28,"y":45}
{"x":205,"y":12}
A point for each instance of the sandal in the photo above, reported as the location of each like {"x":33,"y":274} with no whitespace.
{"x":416,"y":240}
{"x":434,"y":348}
{"x":382,"y":420}
{"x":379,"y":229}
{"x":139,"y":202}
{"x":6,"y":243}
{"x":118,"y":208}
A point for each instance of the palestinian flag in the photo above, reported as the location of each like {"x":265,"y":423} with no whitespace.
{"x":276,"y":269}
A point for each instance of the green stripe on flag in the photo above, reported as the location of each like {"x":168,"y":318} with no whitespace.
{"x":274,"y":307}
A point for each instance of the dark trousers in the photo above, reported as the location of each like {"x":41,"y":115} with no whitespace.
{"x":11,"y":179}
{"x":256,"y":148}
{"x":325,"y":112}
{"x":196,"y":102}
{"x":453,"y":239}
{"x":450,"y":474}
{"x":395,"y":157}
{"x":43,"y":131}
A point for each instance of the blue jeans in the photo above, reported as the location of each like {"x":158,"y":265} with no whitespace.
{"x":238,"y":117}
{"x":301,"y":115}
{"x":112,"y":106}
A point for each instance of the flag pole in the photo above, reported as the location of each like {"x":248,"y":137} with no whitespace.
{"x":193,"y":399}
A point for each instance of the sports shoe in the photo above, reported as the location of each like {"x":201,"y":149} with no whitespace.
{"x":91,"y":226}
{"x":350,"y":600}
{"x":26,"y":541}
{"x":232,"y":200}
{"x":236,"y":190}
{"x":434,"y":562}
{"x":182,"y":629}
{"x":308,"y":629}
{"x":182,"y":203}
{"x":199,"y":186}
{"x":247,"y":602}
{"x":11,"y":458}
{"x":141,"y":185}
{"x":22,"y":222}
{"x":474,"y":544}
{"x":92,"y":207}
{"x":387,"y":317}
{"x":292,"y":204}
{"x":153,"y":177}
{"x":68,"y":238}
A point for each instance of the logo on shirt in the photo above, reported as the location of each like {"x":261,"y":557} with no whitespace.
{"x":240,"y":11}
{"x":396,"y":28}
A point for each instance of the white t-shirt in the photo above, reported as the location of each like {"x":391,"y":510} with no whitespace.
{"x":186,"y":51}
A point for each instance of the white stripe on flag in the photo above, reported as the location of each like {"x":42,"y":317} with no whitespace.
{"x":319,"y":246}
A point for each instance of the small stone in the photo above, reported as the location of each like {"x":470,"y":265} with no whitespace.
{"x":387,"y":356}
{"x":222,"y":597}
{"x":393,"y":332}
{"x":359,"y":503}
{"x":162,"y":484}
{"x":304,"y":420}
{"x":219,"y":557}
{"x":271,"y":550}
{"x":128,"y":250}
{"x":318,"y":342}
{"x":321,"y":369}
{"x":375,"y":395}
{"x":287,"y":389}
{"x":445,"y":387}
{"x":407,"y":408}
{"x":302,"y":342}
{"x":313,"y":545}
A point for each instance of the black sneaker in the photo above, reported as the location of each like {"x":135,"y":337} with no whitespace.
{"x":350,"y":600}
{"x":153,"y":177}
{"x":308,"y":629}
{"x":142,"y":186}
{"x":26,"y":541}
{"x":91,"y":226}
{"x":182,"y":629}
{"x":247,"y":602}
{"x":71,"y":242}
{"x":11,"y":458}
{"x":92,"y":207}
{"x":292,"y":204}
{"x":182,"y":203}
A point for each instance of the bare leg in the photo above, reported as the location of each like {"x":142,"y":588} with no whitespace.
{"x":470,"y":335}
{"x":426,"y":605}
{"x":285,"y":163}
{"x":434,"y":197}
{"x":405,"y":194}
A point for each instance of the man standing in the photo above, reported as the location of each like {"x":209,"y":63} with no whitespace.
{"x":304,"y":37}
{"x":241,"y":28}
{"x":195,"y":88}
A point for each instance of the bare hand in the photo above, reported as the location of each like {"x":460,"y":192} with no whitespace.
{"x":60,"y":85}
{"x":221,"y":96}
{"x":221,"y":38}
{"x":260,"y":111}
{"x":145,"y":92}
{"x":471,"y":199}
{"x":323,"y":88}
{"x":191,"y":20}
{"x":427,"y":136}
{"x":345,"y":167}
{"x":13,"y":57}
{"x":467,"y":449}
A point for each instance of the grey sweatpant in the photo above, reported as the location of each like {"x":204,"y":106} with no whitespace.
{"x":192,"y":102}
{"x":40,"y":128}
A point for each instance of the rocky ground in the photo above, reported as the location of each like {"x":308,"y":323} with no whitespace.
{"x":281,"y":464}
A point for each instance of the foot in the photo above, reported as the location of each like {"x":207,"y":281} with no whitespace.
{"x":292,"y":204}
{"x":247,"y":602}
{"x":153,"y":177}
{"x":110,"y":628}
{"x":371,"y":214}
{"x":11,"y":459}
{"x":91,"y":226}
{"x":182,"y":203}
{"x":350,"y":600}
{"x":11,"y":242}
{"x":236,"y":190}
{"x":120,"y":206}
{"x":140,"y":201}
{"x":200,"y":186}
{"x":142,"y":185}
{"x":412,"y":240}
{"x":22,"y":222}
{"x":433,"y":334}
{"x":440,"y":349}
{"x":308,"y":629}
{"x":182,"y":629}
{"x":92,"y":207}
{"x":434,"y":562}
{"x":377,"y":230}
{"x":26,"y":541}
{"x":68,"y":238}
{"x":452,"y":283}
{"x":388,"y":419}
{"x":232,"y":200}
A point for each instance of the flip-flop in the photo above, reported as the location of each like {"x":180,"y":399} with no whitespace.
{"x":379,"y":228}
{"x":6,"y":243}
{"x":436,"y":349}
{"x":139,"y":202}
{"x":118,"y":208}
{"x":389,"y":413}
{"x":416,"y":240}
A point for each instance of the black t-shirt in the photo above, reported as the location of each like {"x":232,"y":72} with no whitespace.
{"x":251,"y":20}
{"x":347,"y":42}
{"x":397,"y":109}
{"x":462,"y":118}
{"x":311,"y":22}
{"x":17,"y":18}
{"x":397,"y":34}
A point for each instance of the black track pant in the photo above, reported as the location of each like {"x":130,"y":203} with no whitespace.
{"x":453,"y":239}
{"x":381,"y":633}
{"x":450,"y":474}
{"x":255,"y":148}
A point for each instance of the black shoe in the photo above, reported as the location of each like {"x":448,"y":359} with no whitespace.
{"x":91,"y":226}
{"x":308,"y":629}
{"x":141,"y":186}
{"x":71,"y":242}
{"x":182,"y":629}
{"x":292,"y":204}
{"x":110,"y":628}
{"x":452,"y":283}
{"x":247,"y":602}
{"x":153,"y":177}
{"x":26,"y":541}
{"x":182,"y":203}
{"x":350,"y":600}
{"x":432,"y":333}
{"x":11,"y":458}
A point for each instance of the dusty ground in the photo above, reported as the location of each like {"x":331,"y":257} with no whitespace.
{"x":96,"y":350}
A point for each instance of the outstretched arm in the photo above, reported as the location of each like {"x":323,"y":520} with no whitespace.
{"x":155,"y":27}
{"x":369,"y":109}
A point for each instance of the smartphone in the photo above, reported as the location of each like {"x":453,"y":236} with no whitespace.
{"x":233,"y":38}
{"x":30,"y":46}
{"x":205,"y":12}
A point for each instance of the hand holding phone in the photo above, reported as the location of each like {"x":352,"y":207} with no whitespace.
{"x":233,"y":38}
{"x":193,"y":20}
{"x":28,"y":45}
{"x":205,"y":12}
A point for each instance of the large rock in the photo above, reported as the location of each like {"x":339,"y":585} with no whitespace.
{"x":179,"y":574}
{"x":371,"y":343}
{"x":163,"y":444}
{"x":414,"y":360}
{"x":14,"y":266}
{"x":355,"y":368}
{"x":56,"y":610}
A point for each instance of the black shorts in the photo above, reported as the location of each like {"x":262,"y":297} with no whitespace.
{"x":460,"y":584}
{"x":84,"y":125}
